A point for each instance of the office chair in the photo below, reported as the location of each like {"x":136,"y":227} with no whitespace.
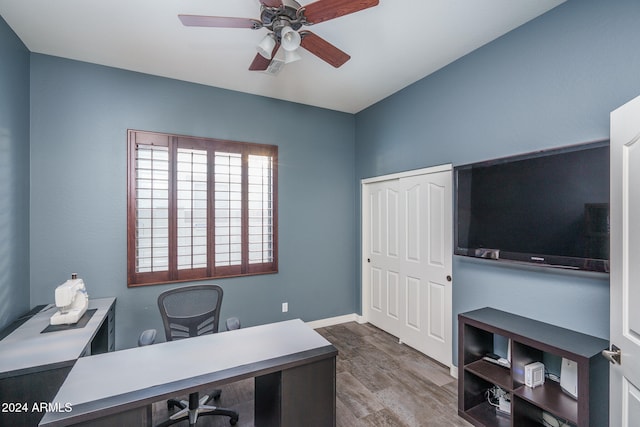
{"x":186,"y":312}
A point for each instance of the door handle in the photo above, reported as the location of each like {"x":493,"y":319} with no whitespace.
{"x":613,"y":355}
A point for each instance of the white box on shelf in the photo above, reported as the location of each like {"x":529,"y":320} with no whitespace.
{"x":534,"y":374}
{"x":569,"y":377}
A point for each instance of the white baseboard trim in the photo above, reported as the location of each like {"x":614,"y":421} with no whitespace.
{"x":453,"y":371}
{"x":331,"y":321}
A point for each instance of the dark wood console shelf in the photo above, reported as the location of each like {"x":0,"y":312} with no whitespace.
{"x":531,"y":341}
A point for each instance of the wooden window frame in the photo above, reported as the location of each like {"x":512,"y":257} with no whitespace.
{"x":136,"y":138}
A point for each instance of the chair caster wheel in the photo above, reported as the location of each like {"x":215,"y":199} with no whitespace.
{"x":233,"y":421}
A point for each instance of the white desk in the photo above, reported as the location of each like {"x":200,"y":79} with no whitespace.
{"x":293,"y":365}
{"x":27,"y":349}
{"x":34,"y":364}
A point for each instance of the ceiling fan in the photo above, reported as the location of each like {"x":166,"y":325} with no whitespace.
{"x":283,"y":18}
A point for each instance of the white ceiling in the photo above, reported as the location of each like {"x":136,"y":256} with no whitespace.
{"x":391,"y":45}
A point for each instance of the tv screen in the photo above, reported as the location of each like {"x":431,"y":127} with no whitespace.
{"x":549,"y":208}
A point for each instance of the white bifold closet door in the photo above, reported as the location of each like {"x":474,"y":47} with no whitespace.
{"x":407,"y":238}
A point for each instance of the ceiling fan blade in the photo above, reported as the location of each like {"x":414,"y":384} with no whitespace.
{"x":219,"y":21}
{"x":323,"y":10}
{"x":271,"y":3}
{"x":323,"y":49}
{"x":260,"y":63}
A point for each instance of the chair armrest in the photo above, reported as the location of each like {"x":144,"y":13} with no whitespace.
{"x":233,"y":323}
{"x":147,"y":337}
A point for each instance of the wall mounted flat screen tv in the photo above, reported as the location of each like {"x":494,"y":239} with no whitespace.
{"x":549,"y":208}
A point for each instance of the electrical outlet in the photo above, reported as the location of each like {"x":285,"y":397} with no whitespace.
{"x":285,"y":307}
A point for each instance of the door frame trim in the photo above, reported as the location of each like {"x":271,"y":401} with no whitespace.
{"x":364,"y":241}
{"x":406,"y":174}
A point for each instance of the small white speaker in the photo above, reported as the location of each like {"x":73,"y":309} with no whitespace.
{"x":569,"y":377}
{"x":534,"y":374}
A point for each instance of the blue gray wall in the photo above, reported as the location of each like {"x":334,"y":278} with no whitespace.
{"x":549,"y":83}
{"x":79,"y":121}
{"x":14,"y":176}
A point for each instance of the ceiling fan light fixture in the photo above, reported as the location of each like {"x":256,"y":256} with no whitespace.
{"x":290,"y":39}
{"x":291,"y":56}
{"x":265,"y":47}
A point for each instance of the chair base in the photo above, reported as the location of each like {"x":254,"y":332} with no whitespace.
{"x":197,"y":407}
{"x":172,"y":403}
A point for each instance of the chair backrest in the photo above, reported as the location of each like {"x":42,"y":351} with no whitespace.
{"x":190,"y":311}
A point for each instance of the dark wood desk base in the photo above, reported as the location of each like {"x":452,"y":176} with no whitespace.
{"x":300,"y":396}
{"x":30,"y":388}
{"x":28,"y":391}
{"x":134,"y":417}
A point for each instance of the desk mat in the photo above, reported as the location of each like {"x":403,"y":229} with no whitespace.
{"x":81,"y":323}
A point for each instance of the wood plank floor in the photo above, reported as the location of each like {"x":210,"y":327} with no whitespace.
{"x":379,"y":383}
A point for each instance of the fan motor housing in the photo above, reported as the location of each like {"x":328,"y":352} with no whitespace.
{"x":287,"y":12}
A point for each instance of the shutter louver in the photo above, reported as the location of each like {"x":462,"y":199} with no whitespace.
{"x":192,"y":208}
{"x":152,"y":195}
{"x":228,"y":209}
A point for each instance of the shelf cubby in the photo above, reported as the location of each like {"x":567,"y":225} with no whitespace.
{"x":551,"y":398}
{"x":493,"y":373}
{"x":485,"y":414}
{"x":527,"y":414}
{"x":530,"y":341}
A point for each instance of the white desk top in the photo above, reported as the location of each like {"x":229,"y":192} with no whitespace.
{"x":142,"y":374}
{"x":27,"y":349}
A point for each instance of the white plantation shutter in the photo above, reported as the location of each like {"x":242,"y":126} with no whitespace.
{"x":228,"y":209}
{"x":152,"y":209}
{"x":192,"y":209}
{"x":261,"y":224}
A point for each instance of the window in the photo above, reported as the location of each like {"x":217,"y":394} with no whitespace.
{"x":200,"y":208}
